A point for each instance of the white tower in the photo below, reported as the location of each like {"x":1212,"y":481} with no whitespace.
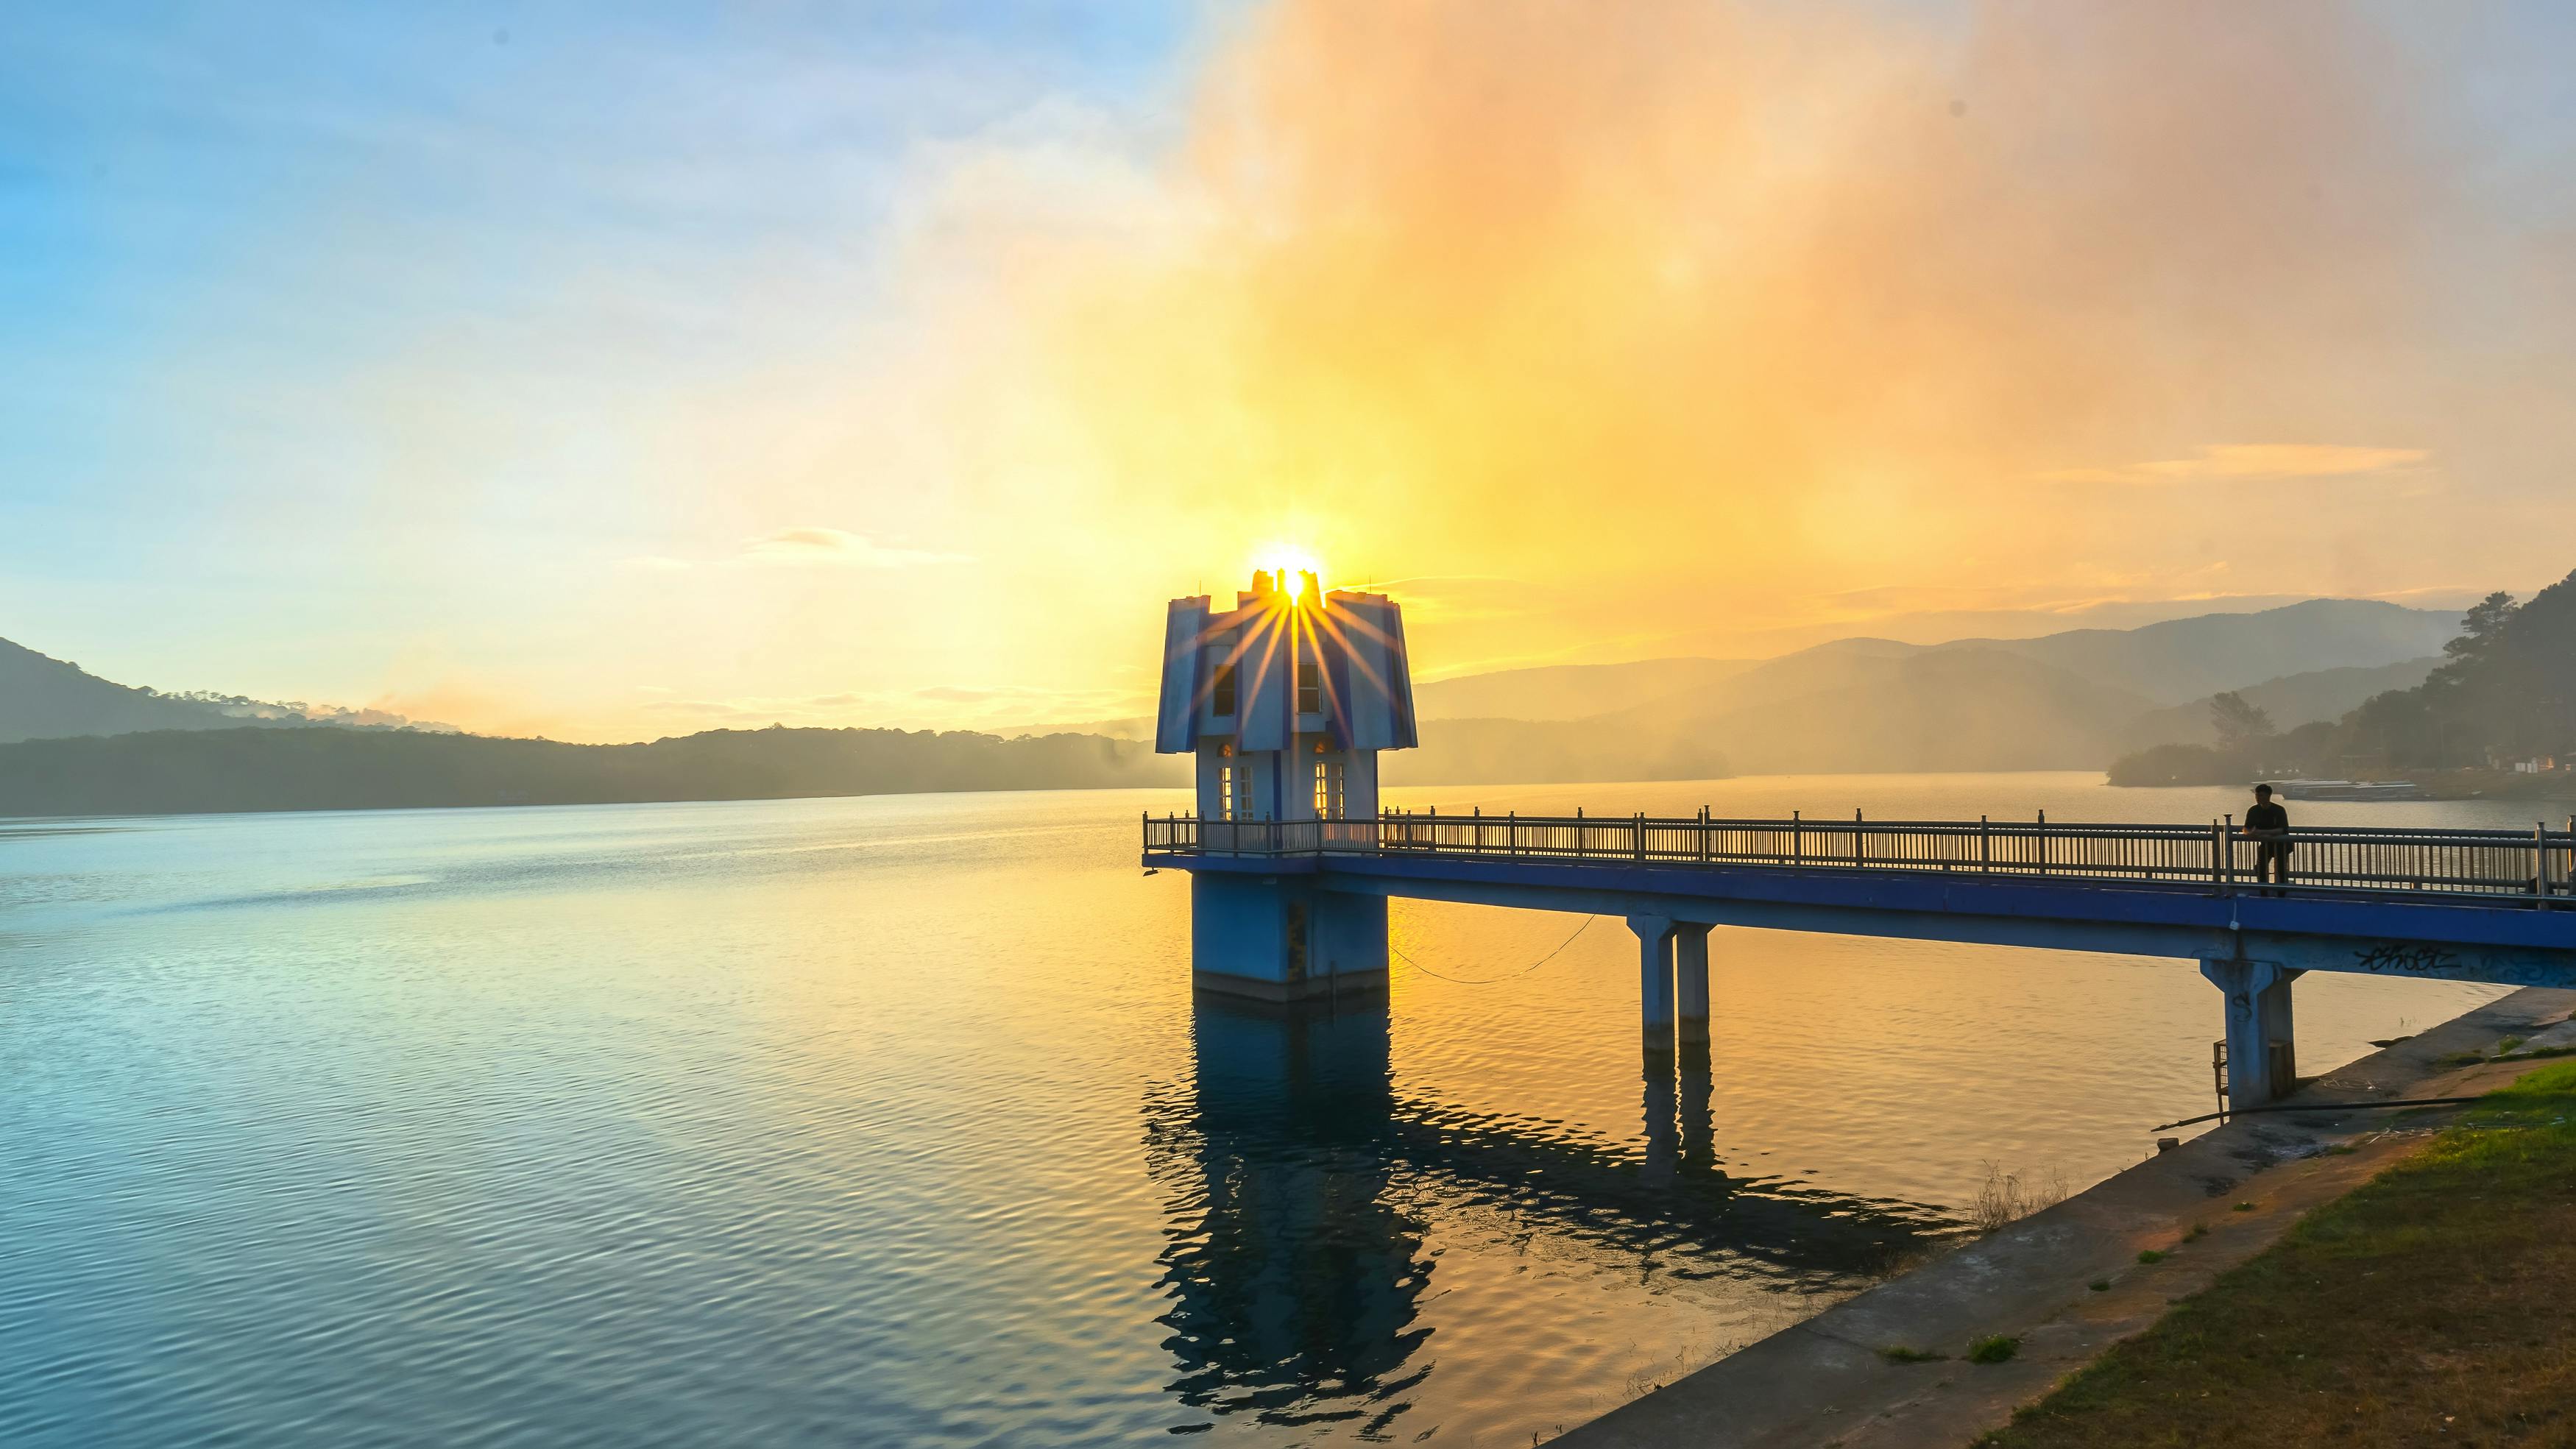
{"x":1285,"y":700}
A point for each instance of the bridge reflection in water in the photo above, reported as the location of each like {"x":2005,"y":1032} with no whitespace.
{"x":1302,"y":1191}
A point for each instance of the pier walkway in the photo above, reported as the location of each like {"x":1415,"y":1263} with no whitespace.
{"x":2493,"y":906}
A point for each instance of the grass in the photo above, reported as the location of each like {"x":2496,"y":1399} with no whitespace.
{"x":2198,"y":1232}
{"x":2008,"y":1197}
{"x":2432,"y":1305}
{"x":2242,"y":1207}
{"x":2100,"y":1285}
{"x":1997,"y":1349}
{"x":2150,"y":1255}
{"x":1902,"y":1354}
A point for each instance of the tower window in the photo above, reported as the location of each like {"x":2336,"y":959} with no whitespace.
{"x":1310,"y":685}
{"x":1234,"y":792}
{"x":1328,"y":789}
{"x":1221,"y":694}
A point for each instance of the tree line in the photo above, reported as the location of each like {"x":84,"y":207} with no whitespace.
{"x":322,"y":767}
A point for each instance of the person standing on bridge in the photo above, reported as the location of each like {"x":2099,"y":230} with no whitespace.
{"x":2269,"y":824}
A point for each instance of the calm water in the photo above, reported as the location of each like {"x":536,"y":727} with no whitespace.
{"x":891,"y":1121}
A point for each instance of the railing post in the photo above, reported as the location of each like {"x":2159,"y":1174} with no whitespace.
{"x":1512,"y":834}
{"x":1985,"y":846}
{"x":1797,"y":840}
{"x":1641,"y":835}
{"x":1856,"y":852}
{"x":2227,"y":855}
{"x":2043,"y":842}
{"x":1703,"y":834}
{"x":2540,"y":858}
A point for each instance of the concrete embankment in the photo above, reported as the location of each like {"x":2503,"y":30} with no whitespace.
{"x":1832,"y":1381}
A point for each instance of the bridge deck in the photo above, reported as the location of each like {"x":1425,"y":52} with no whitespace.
{"x":2523,"y":867}
{"x":2476,"y":905}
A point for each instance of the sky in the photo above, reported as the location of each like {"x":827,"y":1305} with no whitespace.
{"x":609,"y":372}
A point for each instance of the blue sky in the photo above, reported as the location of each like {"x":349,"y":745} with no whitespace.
{"x":221,"y":226}
{"x":606,"y":370}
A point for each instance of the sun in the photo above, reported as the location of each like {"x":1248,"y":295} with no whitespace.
{"x":1285,"y":561}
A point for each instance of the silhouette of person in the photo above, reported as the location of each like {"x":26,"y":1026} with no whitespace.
{"x":2269,"y":824}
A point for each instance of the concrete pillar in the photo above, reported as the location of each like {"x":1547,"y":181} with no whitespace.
{"x":2262,"y":1056}
{"x":1655,"y":980}
{"x":1278,"y":938}
{"x":1690,"y":984}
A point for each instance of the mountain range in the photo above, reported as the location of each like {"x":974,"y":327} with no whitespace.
{"x":46,"y":698}
{"x":2072,"y":700}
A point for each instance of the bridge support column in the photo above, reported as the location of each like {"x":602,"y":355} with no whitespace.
{"x":1690,"y":985}
{"x":2262,"y":1055}
{"x":1655,"y":980}
{"x":1278,"y":938}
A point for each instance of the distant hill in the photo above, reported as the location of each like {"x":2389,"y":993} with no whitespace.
{"x":1569,"y":691}
{"x":2169,"y":663}
{"x":1836,"y":710}
{"x":2186,"y":659}
{"x":2291,"y":701}
{"x":2066,"y":700}
{"x":2502,"y":694}
{"x":251,"y":768}
{"x":1506,"y":751}
{"x":41,"y":697}
{"x":1949,"y":709}
{"x":46,"y":698}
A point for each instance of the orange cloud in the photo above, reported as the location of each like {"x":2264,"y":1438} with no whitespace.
{"x":2252,"y":460}
{"x":1692,"y":312}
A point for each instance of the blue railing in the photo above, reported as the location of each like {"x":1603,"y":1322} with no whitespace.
{"x":2535,"y":865}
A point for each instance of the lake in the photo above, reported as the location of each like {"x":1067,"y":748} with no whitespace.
{"x":892,"y":1121}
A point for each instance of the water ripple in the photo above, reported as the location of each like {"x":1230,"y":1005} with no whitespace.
{"x":893,"y":1121}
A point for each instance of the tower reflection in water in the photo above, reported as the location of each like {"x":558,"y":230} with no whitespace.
{"x":1301,"y":1189}
{"x":1294,"y":1279}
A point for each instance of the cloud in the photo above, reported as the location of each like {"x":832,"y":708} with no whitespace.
{"x":2252,"y":460}
{"x":810,"y":544}
{"x":805,"y":545}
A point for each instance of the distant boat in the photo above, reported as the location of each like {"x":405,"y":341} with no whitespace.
{"x":2348,"y":790}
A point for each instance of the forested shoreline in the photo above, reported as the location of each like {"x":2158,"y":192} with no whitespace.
{"x":324,"y":768}
{"x":2506,"y":692}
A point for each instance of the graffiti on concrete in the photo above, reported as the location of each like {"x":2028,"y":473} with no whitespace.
{"x":2404,"y":956}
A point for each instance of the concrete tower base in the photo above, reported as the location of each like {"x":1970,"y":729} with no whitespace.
{"x":1277,"y":938}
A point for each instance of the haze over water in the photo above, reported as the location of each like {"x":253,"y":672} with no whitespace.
{"x":892,"y":1120}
